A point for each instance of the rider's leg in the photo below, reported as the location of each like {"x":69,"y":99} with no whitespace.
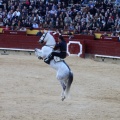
{"x":51,"y":56}
{"x":61,"y":54}
{"x":47,"y":60}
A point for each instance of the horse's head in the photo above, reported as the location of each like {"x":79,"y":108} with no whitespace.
{"x":43,"y":38}
{"x":48,"y":42}
{"x":47,"y":38}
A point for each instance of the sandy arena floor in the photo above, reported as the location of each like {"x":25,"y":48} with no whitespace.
{"x":30,"y":91}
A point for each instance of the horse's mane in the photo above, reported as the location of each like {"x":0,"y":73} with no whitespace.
{"x":50,"y":40}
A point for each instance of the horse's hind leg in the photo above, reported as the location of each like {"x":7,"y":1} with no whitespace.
{"x":63,"y":90}
{"x":64,"y":81}
{"x":70,"y":80}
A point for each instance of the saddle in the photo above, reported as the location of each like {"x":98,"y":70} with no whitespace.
{"x":57,"y":59}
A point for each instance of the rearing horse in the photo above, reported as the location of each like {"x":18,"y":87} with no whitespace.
{"x":64,"y":73}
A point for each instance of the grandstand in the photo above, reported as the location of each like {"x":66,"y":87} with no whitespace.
{"x":96,"y":21}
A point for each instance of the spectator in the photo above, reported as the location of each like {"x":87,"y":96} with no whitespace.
{"x":16,"y":13}
{"x":91,"y":4}
{"x":1,"y":4}
{"x":66,"y":26}
{"x":17,"y":27}
{"x":67,"y":19}
{"x":117,"y":2}
{"x":35,"y":14}
{"x":28,"y":24}
{"x":5,"y":3}
{"x":105,"y":34}
{"x":35,"y":24}
{"x":113,"y":34}
{"x":117,"y":29}
{"x":23,"y":29}
{"x":39,"y":33}
{"x":61,"y":23}
{"x":57,"y":24}
{"x":70,"y":35}
{"x":27,"y":3}
{"x":1,"y":23}
{"x":103,"y":27}
{"x":82,"y":27}
{"x":77,"y":27}
{"x":12,"y":27}
{"x":9,"y":15}
{"x":71,"y":27}
{"x":90,"y":32}
{"x":45,"y":25}
{"x":6,"y":28}
{"x":75,"y":31}
{"x":53,"y":11}
{"x":51,"y":25}
{"x":118,"y":36}
{"x":110,"y":23}
{"x":84,"y":32}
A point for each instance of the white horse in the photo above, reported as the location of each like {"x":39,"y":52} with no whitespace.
{"x":64,"y":74}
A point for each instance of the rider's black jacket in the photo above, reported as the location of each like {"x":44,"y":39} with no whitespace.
{"x":62,"y":46}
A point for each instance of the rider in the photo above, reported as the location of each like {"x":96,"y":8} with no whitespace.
{"x":62,"y":46}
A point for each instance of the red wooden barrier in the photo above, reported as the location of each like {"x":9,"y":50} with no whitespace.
{"x":11,"y":32}
{"x":85,"y":37}
{"x":90,"y":46}
{"x":21,"y":42}
{"x":109,"y":38}
{"x":102,"y":47}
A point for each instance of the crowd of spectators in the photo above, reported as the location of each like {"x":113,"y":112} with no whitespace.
{"x":95,"y":16}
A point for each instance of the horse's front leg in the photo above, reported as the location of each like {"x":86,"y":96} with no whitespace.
{"x":38,"y":53}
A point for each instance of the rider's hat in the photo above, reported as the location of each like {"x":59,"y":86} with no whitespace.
{"x":61,"y":37}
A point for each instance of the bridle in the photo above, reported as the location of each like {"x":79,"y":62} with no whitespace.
{"x":43,"y":37}
{"x":42,"y":40}
{"x":51,"y":46}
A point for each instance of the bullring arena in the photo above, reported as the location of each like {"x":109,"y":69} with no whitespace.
{"x":30,"y":91}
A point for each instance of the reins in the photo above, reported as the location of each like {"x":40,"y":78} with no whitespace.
{"x":51,"y":46}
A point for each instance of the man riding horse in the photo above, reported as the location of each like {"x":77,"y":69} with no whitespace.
{"x":64,"y":74}
{"x":62,"y":46}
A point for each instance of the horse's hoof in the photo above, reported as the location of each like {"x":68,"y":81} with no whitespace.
{"x":63,"y":98}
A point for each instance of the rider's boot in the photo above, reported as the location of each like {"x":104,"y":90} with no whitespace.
{"x":47,"y":60}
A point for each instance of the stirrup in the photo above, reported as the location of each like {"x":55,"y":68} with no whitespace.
{"x":47,"y":60}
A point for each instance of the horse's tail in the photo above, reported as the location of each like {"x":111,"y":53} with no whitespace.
{"x":70,"y":80}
